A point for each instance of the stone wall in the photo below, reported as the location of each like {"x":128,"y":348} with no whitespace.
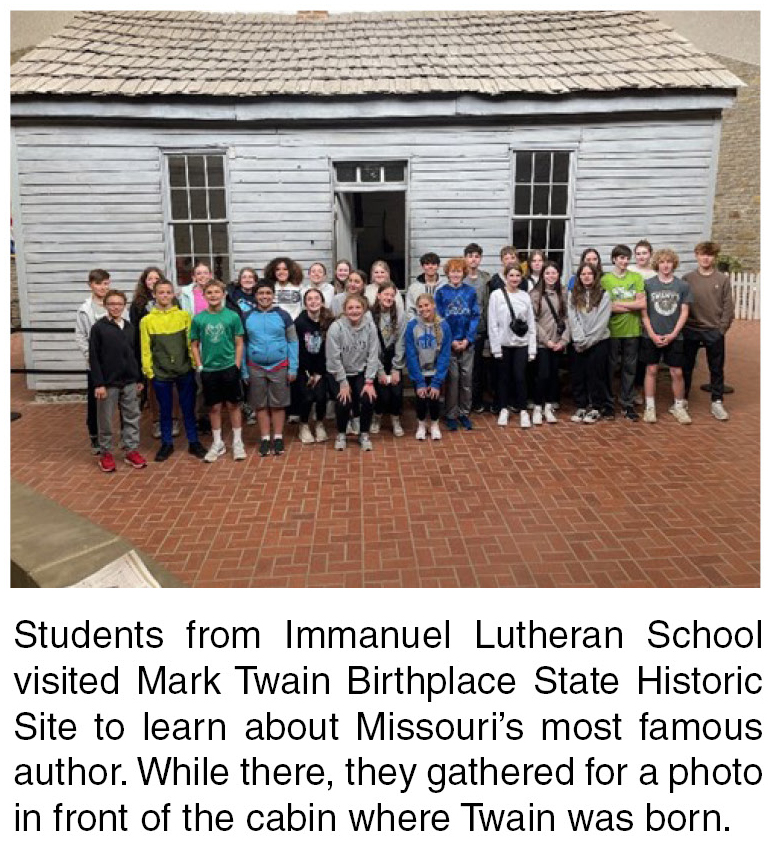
{"x":737,"y":216}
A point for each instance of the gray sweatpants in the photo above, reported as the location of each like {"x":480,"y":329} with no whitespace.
{"x":127,"y":399}
{"x":459,"y":384}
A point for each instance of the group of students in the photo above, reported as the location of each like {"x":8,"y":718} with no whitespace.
{"x":274,"y":343}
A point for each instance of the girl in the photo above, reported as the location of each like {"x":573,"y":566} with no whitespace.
{"x":380,"y":275}
{"x":341,"y":275}
{"x":317,"y":275}
{"x":513,"y":341}
{"x":590,"y":255}
{"x":589,"y":314}
{"x":553,"y":335}
{"x":241,"y":298}
{"x":356,"y":284}
{"x":311,"y":328}
{"x":428,"y":352}
{"x":352,"y":361}
{"x":537,"y":259}
{"x":390,"y":329}
{"x":192,"y":298}
{"x":285,"y":276}
{"x":165,"y":341}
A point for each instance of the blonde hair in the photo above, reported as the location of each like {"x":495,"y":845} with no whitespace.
{"x":664,"y":254}
{"x":379,"y":264}
{"x":437,"y":327}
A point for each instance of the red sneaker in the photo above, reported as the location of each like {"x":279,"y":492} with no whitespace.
{"x":106,"y":462}
{"x":135,"y":459}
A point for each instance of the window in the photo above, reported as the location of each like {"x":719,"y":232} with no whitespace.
{"x":370,"y":173}
{"x":198,"y":222}
{"x":541,"y":202}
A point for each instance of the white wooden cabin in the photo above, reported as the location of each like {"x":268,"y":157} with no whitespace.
{"x":161,"y":138}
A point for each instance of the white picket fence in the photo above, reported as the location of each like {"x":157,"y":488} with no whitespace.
{"x":747,"y":295}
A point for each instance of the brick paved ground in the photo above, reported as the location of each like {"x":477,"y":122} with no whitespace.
{"x":611,"y":505}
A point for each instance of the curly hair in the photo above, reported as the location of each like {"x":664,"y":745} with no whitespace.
{"x":664,"y":254}
{"x":456,"y":264}
{"x":295,"y":272}
{"x":142,"y":295}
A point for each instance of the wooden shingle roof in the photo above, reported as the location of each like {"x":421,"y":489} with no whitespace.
{"x":141,"y":54}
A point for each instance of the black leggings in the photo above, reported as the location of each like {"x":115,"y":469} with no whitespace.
{"x":547,"y":383}
{"x":428,"y":405}
{"x":358,"y":404}
{"x":316,"y":396}
{"x":591,"y":376}
{"x":513,"y":376}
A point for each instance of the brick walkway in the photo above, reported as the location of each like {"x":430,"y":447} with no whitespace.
{"x":612,"y":505}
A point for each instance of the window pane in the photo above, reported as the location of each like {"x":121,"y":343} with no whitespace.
{"x":182,"y":234}
{"x":539,"y":235}
{"x":346,"y":172}
{"x":219,"y":238}
{"x":179,"y":204}
{"x":562,"y":167}
{"x":556,"y":240}
{"x":394,"y":172}
{"x":540,"y":201}
{"x":559,"y":200}
{"x":215,"y":176}
{"x":523,"y":167}
{"x":370,"y":173}
{"x":201,"y":239}
{"x":521,"y":234}
{"x":196,"y":171}
{"x":199,"y":203}
{"x":217,"y":203}
{"x":184,"y":268}
{"x":177,"y":171}
{"x":220,"y":267}
{"x":558,"y":258}
{"x":542,"y":167}
{"x":522,"y":200}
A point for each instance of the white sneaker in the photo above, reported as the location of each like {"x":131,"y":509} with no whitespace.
{"x":502,"y":418}
{"x":353,"y":427}
{"x":216,"y":450}
{"x":680,"y":412}
{"x":579,"y":415}
{"x":238,"y":450}
{"x":305,"y":434}
{"x":435,"y":431}
{"x":397,"y":428}
{"x":376,"y":425}
{"x":320,"y":434}
{"x":525,"y":420}
{"x":718,"y":411}
{"x":421,"y":431}
{"x":175,"y":428}
{"x":293,"y":419}
{"x":537,"y":415}
{"x":365,"y":443}
{"x":548,"y":414}
{"x":649,"y":415}
{"x":341,"y":442}
{"x":156,"y":430}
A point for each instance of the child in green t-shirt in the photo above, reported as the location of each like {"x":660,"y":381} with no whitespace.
{"x":216,"y":346}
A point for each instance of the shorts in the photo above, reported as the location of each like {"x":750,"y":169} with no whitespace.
{"x":672,"y":354}
{"x":222,"y":385}
{"x":268,"y":389}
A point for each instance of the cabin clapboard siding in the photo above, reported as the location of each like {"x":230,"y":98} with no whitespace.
{"x":95,"y":197}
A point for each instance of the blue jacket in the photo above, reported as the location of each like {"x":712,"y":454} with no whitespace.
{"x":424,"y":357}
{"x":271,"y":339}
{"x":459,"y":306}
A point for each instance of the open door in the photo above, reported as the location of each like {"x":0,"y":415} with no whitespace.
{"x":344,"y":228}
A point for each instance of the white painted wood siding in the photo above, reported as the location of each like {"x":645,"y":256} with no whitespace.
{"x":94,"y":197}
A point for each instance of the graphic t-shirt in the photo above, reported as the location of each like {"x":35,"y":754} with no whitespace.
{"x":664,"y":303}
{"x":624,"y":288}
{"x":288,"y":297}
{"x":216,"y":332}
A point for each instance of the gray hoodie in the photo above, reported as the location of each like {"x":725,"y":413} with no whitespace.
{"x":589,"y":328}
{"x":351,"y":349}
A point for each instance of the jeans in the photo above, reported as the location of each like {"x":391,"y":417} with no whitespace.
{"x":459,"y":383}
{"x":186,"y":393}
{"x":714,"y":343}
{"x":625,"y":349}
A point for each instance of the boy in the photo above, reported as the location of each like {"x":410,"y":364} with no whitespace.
{"x":627,"y":297}
{"x":709,"y":319}
{"x":166,"y":362}
{"x":479,"y":280}
{"x":216,"y":346}
{"x":509,"y":256}
{"x":192,"y":300}
{"x":426,"y":283}
{"x":270,"y":361}
{"x":92,"y":309}
{"x":668,"y":301}
{"x":116,"y":379}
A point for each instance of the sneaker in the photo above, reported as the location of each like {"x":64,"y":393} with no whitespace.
{"x":353,"y":427}
{"x":365,"y":443}
{"x":279,"y":446}
{"x":451,"y":424}
{"x":680,"y":412}
{"x":579,"y":415}
{"x":216,"y":450}
{"x":592,"y":417}
{"x":608,"y":414}
{"x":305,"y":434}
{"x":175,"y":428}
{"x":537,"y":415}
{"x":397,"y":428}
{"x":197,"y":450}
{"x":478,"y":408}
{"x":718,"y":411}
{"x":548,"y":414}
{"x":525,"y":421}
{"x":502,"y":417}
{"x":320,"y":434}
{"x":435,"y":431}
{"x":238,"y":450}
{"x":631,"y":414}
{"x":165,"y":450}
{"x":265,"y":447}
{"x":156,"y":430}
{"x":376,"y":425}
{"x":341,"y":442}
{"x":95,"y":449}
{"x":421,"y":431}
{"x":106,"y":462}
{"x":135,"y":459}
{"x":294,"y":419}
{"x":466,"y":423}
{"x":649,"y":415}
{"x":249,"y":415}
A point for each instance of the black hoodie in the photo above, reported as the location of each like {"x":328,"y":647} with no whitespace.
{"x":112,"y":357}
